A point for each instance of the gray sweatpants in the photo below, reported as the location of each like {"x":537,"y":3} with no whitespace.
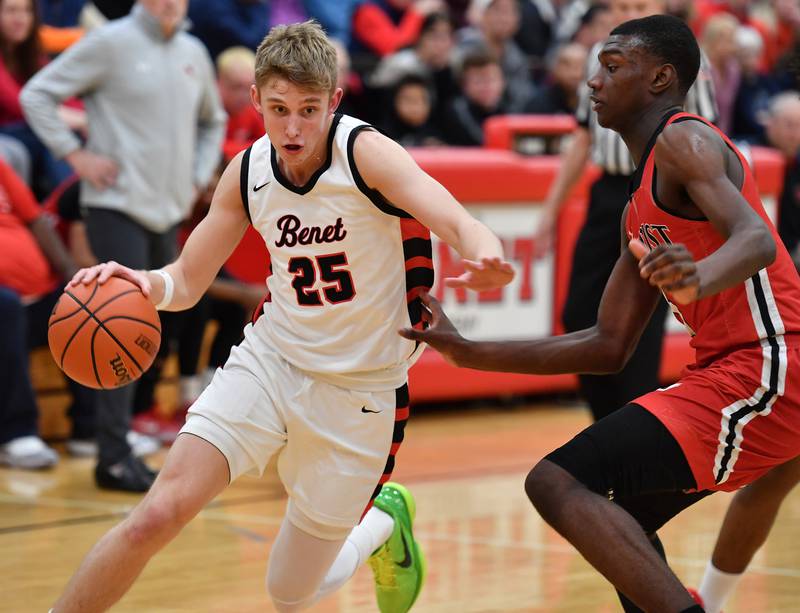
{"x":114,"y":236}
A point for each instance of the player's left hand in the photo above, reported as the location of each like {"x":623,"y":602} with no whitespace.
{"x":440,"y":334}
{"x":489,"y":273}
{"x":671,"y":268}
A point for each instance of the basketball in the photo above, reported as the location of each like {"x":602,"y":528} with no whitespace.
{"x":104,"y":336}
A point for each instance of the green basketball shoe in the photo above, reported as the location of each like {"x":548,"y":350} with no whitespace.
{"x":398,"y":564}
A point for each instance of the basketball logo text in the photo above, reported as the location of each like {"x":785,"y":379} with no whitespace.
{"x":146,"y":344}
{"x":120,"y":370}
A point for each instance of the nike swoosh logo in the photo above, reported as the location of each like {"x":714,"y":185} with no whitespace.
{"x":366,"y":410}
{"x":258,"y":187}
{"x":406,"y":561}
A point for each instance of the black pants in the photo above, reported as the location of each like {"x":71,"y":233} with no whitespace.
{"x":596,"y":252}
{"x":114,"y":236}
{"x":22,"y":328}
{"x":631,"y":458}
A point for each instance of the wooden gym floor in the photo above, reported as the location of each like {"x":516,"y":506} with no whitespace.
{"x":487,"y":549}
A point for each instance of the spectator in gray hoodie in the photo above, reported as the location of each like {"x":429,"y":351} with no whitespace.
{"x":155,"y":133}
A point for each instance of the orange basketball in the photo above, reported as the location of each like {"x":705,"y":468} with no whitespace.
{"x":104,"y":336}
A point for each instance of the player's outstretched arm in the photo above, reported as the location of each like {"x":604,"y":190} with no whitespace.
{"x":387,"y":167}
{"x":206,"y":250}
{"x":690,"y":156}
{"x":626,"y":307}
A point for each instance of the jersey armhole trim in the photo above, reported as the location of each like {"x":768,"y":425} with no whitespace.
{"x":244,"y":176}
{"x":378,"y":199}
{"x":664,"y":207}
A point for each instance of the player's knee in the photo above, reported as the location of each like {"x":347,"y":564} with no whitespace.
{"x":547,"y":485}
{"x":158,"y":519}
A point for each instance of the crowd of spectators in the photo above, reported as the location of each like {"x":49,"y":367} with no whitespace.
{"x":426,"y":72}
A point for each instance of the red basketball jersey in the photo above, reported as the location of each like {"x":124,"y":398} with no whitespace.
{"x":764,"y":306}
{"x":736,"y":412}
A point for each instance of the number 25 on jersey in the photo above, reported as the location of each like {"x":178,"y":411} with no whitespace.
{"x":329,"y":268}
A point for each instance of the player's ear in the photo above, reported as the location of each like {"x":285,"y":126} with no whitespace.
{"x":336,"y":99}
{"x":664,"y":76}
{"x":255,"y":98}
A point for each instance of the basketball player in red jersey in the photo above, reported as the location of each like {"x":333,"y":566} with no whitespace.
{"x":695,"y":233}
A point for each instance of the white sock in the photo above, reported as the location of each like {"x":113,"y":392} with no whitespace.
{"x":373,"y":531}
{"x":716,"y":587}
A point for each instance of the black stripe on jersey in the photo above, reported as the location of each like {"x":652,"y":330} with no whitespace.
{"x":417,"y":247}
{"x":419,"y":277}
{"x":636,"y":179}
{"x":309,"y":185}
{"x":377,"y":198}
{"x":664,"y":207}
{"x":767,"y":395}
{"x":415,"y":311}
{"x":244,"y":177}
{"x":401,"y":397}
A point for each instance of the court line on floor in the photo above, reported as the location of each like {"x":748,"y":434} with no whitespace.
{"x":266,"y":520}
{"x":60,"y":523}
{"x":112,"y":510}
{"x":568,"y":549}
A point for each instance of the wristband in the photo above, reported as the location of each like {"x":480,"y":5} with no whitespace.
{"x":169,"y":289}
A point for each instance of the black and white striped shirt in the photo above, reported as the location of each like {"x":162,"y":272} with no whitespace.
{"x":608,"y":149}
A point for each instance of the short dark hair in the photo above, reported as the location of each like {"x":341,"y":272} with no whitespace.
{"x":477,"y":57}
{"x":670,"y":40}
{"x":433,"y":20}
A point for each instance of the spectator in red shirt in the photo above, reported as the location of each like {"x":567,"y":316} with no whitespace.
{"x":21,"y":56}
{"x":385,"y":26}
{"x":33,"y":268}
{"x":235,"y":75}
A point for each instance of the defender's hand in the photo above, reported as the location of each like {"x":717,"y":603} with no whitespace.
{"x":489,"y":273}
{"x":671,"y":268}
{"x":440,"y":334}
{"x":103,"y":272}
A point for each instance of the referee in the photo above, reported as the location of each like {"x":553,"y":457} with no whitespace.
{"x":598,"y":245}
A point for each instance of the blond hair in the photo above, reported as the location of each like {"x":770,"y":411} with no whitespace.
{"x":235,"y":57}
{"x":300,"y":53}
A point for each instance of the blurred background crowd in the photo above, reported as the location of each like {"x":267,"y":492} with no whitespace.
{"x":80,"y":79}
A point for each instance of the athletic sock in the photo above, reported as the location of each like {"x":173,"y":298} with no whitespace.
{"x":716,"y":587}
{"x":373,"y":531}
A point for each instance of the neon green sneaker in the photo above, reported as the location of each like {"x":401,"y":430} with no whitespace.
{"x":398,"y":564}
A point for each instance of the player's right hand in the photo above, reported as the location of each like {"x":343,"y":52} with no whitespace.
{"x":671,"y":268}
{"x":103,"y":272}
{"x":440,"y":333}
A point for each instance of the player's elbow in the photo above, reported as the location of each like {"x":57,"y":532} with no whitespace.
{"x":617,"y":360}
{"x":760,"y":243}
{"x":765,"y":247}
{"x":612,"y":356}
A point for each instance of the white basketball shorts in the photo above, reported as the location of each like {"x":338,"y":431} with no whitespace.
{"x":336,"y":446}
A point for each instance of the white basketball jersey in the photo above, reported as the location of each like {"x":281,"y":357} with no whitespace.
{"x":347,"y":266}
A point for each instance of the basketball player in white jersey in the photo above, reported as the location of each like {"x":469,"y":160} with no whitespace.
{"x":321,"y":377}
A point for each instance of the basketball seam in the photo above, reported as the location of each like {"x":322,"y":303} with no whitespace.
{"x":100,"y":324}
{"x":94,"y":360}
{"x":94,"y":291}
{"x":136,"y":319}
{"x":71,"y":338}
{"x":112,"y":299}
